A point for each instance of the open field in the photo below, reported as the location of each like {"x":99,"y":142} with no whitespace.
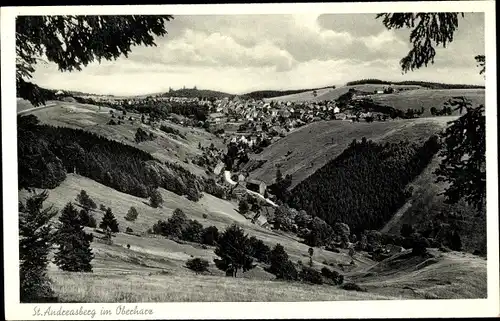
{"x":309,"y":148}
{"x":166,"y":147}
{"x":101,"y":287}
{"x":220,"y":213}
{"x":415,"y":98}
{"x":428,"y":98}
{"x":332,"y":94}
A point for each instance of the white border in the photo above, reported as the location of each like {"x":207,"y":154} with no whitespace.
{"x":346,"y":309}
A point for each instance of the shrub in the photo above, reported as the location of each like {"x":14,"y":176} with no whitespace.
{"x":131,"y":214}
{"x":205,"y":215}
{"x":210,"y":235}
{"x":352,"y":287}
{"x":336,"y":277}
{"x":192,"y":232}
{"x":289,"y":272}
{"x":87,"y":219}
{"x":243,"y":206}
{"x":310,"y":275}
{"x":420,"y":244}
{"x":198,"y":265}
{"x":141,"y":135}
{"x":34,"y":245}
{"x":85,"y":201}
{"x":155,"y":199}
{"x":261,"y":251}
{"x":102,"y":208}
{"x":406,"y":230}
{"x":129,"y":230}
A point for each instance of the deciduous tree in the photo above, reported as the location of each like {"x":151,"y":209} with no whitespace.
{"x":234,"y":250}
{"x":72,"y":42}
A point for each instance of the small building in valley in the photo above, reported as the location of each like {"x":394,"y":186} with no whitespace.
{"x":256,"y":186}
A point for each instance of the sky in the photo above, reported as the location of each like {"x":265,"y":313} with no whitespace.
{"x":242,"y":53}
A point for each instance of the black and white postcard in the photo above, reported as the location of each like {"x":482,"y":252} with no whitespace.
{"x":250,"y":161}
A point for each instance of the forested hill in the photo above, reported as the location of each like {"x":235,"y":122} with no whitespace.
{"x":426,"y":84}
{"x":365,"y":185}
{"x":197,"y":93}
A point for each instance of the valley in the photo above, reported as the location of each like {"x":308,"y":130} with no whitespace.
{"x":139,"y":266}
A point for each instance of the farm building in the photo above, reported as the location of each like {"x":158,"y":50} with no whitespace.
{"x":256,"y":186}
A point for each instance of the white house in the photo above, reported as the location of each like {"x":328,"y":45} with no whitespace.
{"x":336,"y":110}
{"x":218,"y":168}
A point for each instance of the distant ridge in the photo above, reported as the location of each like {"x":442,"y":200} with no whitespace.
{"x":264,"y":94}
{"x":426,"y":84}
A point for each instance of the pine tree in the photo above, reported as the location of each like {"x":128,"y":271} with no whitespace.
{"x":234,"y":250}
{"x":74,"y":253}
{"x":109,"y":221}
{"x":85,"y":201}
{"x":278,"y":259}
{"x":35,"y":240}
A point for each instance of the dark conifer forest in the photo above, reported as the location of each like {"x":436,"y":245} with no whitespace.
{"x":365,"y":185}
{"x":47,"y":153}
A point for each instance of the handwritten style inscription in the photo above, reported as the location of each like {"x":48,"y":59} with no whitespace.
{"x":60,"y":311}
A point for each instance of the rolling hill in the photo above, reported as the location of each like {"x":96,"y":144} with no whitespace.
{"x":166,"y":147}
{"x":414,"y":96}
{"x":308,"y":148}
{"x":153,"y":269}
{"x":428,"y":98}
{"x":332,"y":94}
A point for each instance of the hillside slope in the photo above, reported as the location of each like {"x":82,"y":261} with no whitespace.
{"x":332,"y":94}
{"x":428,"y":98}
{"x":453,"y":275}
{"x":166,"y":147}
{"x":307,"y":149}
{"x":416,"y":97}
{"x":153,"y":268}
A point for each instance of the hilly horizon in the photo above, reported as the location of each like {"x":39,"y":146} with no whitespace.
{"x":272,"y":93}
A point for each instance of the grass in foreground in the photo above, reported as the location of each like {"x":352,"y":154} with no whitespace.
{"x":102,"y":287}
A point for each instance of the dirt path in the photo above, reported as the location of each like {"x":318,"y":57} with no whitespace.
{"x":396,"y":217}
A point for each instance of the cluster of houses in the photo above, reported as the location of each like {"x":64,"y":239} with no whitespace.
{"x":257,"y":120}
